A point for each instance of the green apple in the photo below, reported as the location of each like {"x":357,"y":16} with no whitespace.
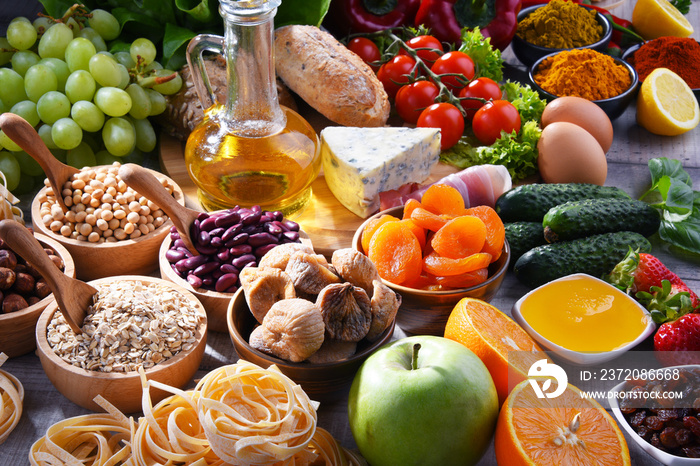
{"x":423,"y":400}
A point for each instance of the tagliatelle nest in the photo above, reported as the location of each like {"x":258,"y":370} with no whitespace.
{"x":8,"y":201}
{"x":11,"y":399}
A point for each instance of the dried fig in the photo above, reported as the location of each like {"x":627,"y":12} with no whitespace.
{"x":292,"y":329}
{"x":310,"y":272}
{"x":384,"y":305}
{"x":278,"y":256}
{"x":264,"y":287}
{"x":332,"y":351}
{"x":346,"y":311}
{"x":356,"y":268}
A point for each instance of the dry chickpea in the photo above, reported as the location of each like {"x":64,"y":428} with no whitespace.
{"x":143,"y":228}
{"x":129,"y":228}
{"x":114,"y":224}
{"x":120,"y":234}
{"x":85,"y":229}
{"x":90,"y":219}
{"x":66,"y":230}
{"x":135,"y":234}
{"x":134,"y":206}
{"x":80,"y":216}
{"x":133,"y":217}
{"x":102,"y":224}
{"x":107,"y":215}
{"x":55,"y":225}
{"x":93,"y":237}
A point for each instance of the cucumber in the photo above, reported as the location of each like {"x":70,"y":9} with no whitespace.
{"x":530,"y":202}
{"x":523,"y":236}
{"x":595,"y":255}
{"x":588,"y":217}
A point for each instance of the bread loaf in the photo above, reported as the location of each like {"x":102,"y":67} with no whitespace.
{"x":329,"y":77}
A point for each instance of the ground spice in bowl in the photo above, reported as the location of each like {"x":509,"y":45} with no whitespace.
{"x":560,"y":24}
{"x":679,"y":54}
{"x":583,"y":73}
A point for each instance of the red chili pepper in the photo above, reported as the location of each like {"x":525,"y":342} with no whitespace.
{"x":350,"y":16}
{"x":497,"y":19}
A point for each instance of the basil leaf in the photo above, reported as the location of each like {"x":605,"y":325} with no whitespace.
{"x":686,"y":233}
{"x":301,"y":12}
{"x":662,"y":166}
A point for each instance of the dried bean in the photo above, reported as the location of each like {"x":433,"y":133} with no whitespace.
{"x":238,"y":239}
{"x":208,"y":224}
{"x":205,"y":269}
{"x":195,"y":261}
{"x":273,"y":229}
{"x":207,"y":250}
{"x":262,"y":250}
{"x":203,"y":239}
{"x":291,"y":236}
{"x":217,"y":232}
{"x":216,"y":242}
{"x":242,"y":261}
{"x":207,"y":281}
{"x":224,"y":255}
{"x":261,"y":239}
{"x":194,"y":280}
{"x":226,"y":281}
{"x":291,"y":226}
{"x":178,"y":243}
{"x":231,"y":232}
{"x":250,"y":218}
{"x":174,"y":255}
{"x":226,"y":220}
{"x":241,"y":249}
{"x":228,"y":268}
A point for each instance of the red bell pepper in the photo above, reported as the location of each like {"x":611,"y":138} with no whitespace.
{"x":352,"y":16}
{"x":497,"y":19}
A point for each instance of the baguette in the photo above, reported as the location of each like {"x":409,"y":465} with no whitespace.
{"x":329,"y":77}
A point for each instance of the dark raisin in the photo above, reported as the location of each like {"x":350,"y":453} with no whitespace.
{"x":656,"y":441}
{"x":692,"y":452}
{"x":644,"y":432}
{"x":667,"y":414}
{"x":668,"y":437}
{"x":684,"y":436}
{"x":693,"y":424}
{"x":637,"y":418}
{"x":654,"y":423}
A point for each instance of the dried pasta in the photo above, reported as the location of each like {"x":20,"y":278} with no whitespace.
{"x":12,"y":397}
{"x":8,"y":209}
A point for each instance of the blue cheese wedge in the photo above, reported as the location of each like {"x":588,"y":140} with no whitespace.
{"x":359,"y":163}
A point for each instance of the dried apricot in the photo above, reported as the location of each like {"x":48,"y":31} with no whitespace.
{"x":460,"y":237}
{"x":395,"y":251}
{"x":372,"y":226}
{"x":464,"y":280}
{"x":438,"y":265}
{"x":428,"y":220}
{"x":418,"y":231}
{"x":410,"y":206}
{"x":495,"y":231}
{"x":443,"y":199}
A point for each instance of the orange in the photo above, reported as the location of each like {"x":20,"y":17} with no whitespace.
{"x":567,"y":429}
{"x":491,"y":335}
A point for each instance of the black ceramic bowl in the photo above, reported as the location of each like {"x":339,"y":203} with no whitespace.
{"x":613,"y":107}
{"x":628,"y":56}
{"x":529,"y":53}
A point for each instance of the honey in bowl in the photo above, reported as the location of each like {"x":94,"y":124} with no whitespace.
{"x":584,"y":314}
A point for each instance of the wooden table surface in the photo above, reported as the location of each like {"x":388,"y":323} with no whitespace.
{"x":632,"y":148}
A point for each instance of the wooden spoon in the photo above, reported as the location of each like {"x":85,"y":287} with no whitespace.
{"x":73,"y":296}
{"x":140,"y":180}
{"x":24,"y":135}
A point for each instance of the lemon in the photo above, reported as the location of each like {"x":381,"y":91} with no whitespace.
{"x":656,"y":18}
{"x":666,"y":105}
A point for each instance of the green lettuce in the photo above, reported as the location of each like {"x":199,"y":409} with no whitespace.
{"x":487,"y":58}
{"x":525,"y":99}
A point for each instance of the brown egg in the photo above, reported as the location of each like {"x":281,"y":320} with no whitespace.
{"x":583,"y":113}
{"x":570,"y":154}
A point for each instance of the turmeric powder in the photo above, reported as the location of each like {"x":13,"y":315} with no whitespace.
{"x":560,"y":24}
{"x":584,"y":73}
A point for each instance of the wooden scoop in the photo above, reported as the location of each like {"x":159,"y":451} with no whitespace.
{"x":140,"y":180}
{"x":24,"y":135}
{"x":73,"y":296}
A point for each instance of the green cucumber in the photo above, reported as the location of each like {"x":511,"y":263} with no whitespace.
{"x":588,"y":217}
{"x":530,"y":202}
{"x":595,"y":255}
{"x":523,"y":236}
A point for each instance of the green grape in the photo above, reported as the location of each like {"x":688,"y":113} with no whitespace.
{"x":27,"y":164}
{"x":60,"y":154}
{"x":78,"y":54}
{"x":113,"y":101}
{"x":66,"y":133}
{"x":125,"y":78}
{"x":87,"y":115}
{"x":73,"y":26}
{"x":104,"y":23}
{"x":45,"y":135}
{"x":105,"y":70}
{"x":21,"y":34}
{"x":97,"y":40}
{"x":18,"y":19}
{"x":53,"y":106}
{"x":169,"y":87}
{"x":60,"y":69}
{"x":11,"y":87}
{"x":119,"y":136}
{"x":27,"y":184}
{"x":142,"y":51}
{"x":81,"y":156}
{"x":54,"y":41}
{"x":155,"y":66}
{"x":80,"y":86}
{"x":3,"y":109}
{"x":94,"y":140}
{"x":8,"y":143}
{"x":140,"y":103}
{"x":10,"y":168}
{"x":27,"y":110}
{"x":22,"y":60}
{"x":135,"y":156}
{"x":6,"y":55}
{"x":145,"y":135}
{"x":39,"y":80}
{"x":124,"y":58}
{"x":103,"y":157}
{"x":158,"y":102}
{"x":41,"y":24}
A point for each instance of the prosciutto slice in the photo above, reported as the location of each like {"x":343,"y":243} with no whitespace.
{"x":479,"y":185}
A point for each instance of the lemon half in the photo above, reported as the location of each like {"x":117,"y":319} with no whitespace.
{"x":666,"y":105}
{"x":657,"y":18}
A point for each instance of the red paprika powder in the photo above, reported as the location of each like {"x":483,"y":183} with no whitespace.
{"x":679,"y":54}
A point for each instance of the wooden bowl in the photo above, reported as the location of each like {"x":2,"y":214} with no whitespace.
{"x":426,"y":312}
{"x":17,"y":329}
{"x":322,"y":382}
{"x":122,"y":389}
{"x":127,"y":257}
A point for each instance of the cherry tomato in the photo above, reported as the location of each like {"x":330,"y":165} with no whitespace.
{"x":486,"y":88}
{"x":448,"y":118}
{"x":394,"y":73}
{"x":425,"y":42}
{"x":412,"y":99}
{"x":454,"y":62}
{"x":494,"y":117}
{"x":366,"y":50}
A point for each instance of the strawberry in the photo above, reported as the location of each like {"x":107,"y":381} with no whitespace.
{"x":680,"y":335}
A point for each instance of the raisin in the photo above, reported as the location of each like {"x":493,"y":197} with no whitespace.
{"x":656,"y":441}
{"x":684,"y":436}
{"x":654,"y":423}
{"x":692,"y":452}
{"x":668,"y":437}
{"x":667,"y":414}
{"x":644,"y":432}
{"x":638,"y":418}
{"x":693,"y":424}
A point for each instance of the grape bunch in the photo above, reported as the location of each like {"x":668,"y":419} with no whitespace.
{"x":89,"y":106}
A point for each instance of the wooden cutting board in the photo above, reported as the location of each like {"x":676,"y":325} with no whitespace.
{"x":328,"y":223}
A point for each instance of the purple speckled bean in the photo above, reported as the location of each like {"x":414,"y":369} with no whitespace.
{"x":216,"y":242}
{"x":242,"y":261}
{"x":231,"y":232}
{"x":241,"y":249}
{"x":206,"y":268}
{"x":224,"y":255}
{"x":251,"y":218}
{"x":262,"y":250}
{"x":208,"y":224}
{"x":228,"y":268}
{"x":273,"y":229}
{"x":194,"y":280}
{"x":174,"y":255}
{"x":226,"y":281}
{"x":225,"y":220}
{"x":261,"y":239}
{"x":238,"y":239}
{"x":291,"y":236}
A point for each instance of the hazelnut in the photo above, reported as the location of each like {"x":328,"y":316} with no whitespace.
{"x":41,"y":289}
{"x":32,"y":300}
{"x":13,"y":302}
{"x":24,"y":283}
{"x":57,"y":260}
{"x":7,"y":259}
{"x":7,"y":278}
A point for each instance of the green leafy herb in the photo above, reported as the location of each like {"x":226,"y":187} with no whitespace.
{"x":681,"y":5}
{"x":672,"y":194}
{"x":486,"y":57}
